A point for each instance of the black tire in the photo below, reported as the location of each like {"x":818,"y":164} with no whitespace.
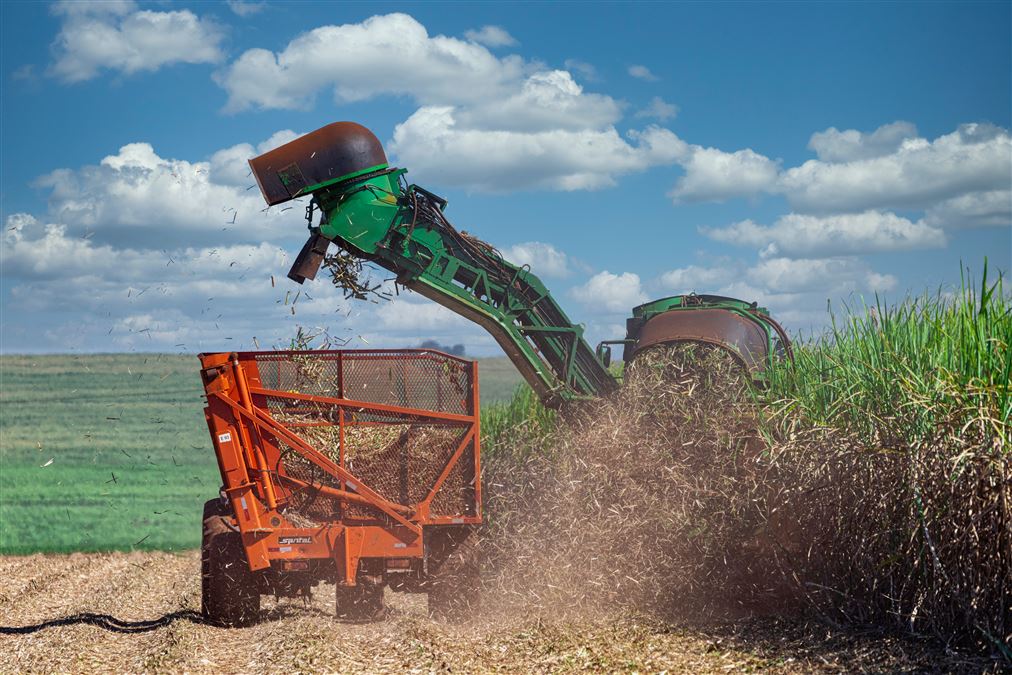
{"x":360,"y":603}
{"x":454,"y":582}
{"x":229,"y":593}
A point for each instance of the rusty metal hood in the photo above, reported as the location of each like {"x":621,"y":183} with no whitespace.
{"x":744,"y":338}
{"x":328,"y":154}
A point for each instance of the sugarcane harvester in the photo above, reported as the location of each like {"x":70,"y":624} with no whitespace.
{"x":363,"y":467}
{"x":368,"y":210}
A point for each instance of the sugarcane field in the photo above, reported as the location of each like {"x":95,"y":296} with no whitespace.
{"x":689,"y":351}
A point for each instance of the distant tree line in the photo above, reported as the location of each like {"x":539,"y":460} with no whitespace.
{"x":455,"y":350}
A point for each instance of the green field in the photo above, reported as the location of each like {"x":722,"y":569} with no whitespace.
{"x":111,"y":452}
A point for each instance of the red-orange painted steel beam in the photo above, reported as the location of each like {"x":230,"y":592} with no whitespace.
{"x":454,"y":458}
{"x":261,"y":418}
{"x":344,"y":495}
{"x":365,"y":405}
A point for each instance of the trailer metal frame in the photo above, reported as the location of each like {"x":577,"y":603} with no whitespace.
{"x":257,"y":419}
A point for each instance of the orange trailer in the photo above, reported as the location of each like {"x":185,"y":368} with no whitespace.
{"x":360,"y":468}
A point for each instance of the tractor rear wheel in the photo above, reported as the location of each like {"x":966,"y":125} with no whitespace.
{"x":454,"y":583}
{"x":360,"y":603}
{"x":229,"y":593}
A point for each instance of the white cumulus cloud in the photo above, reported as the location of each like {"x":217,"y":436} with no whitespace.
{"x":607,"y":293}
{"x":715,"y":175}
{"x":918,"y":174}
{"x":800,"y":235}
{"x":829,"y":275}
{"x":391,"y":54}
{"x":544,"y":259}
{"x":794,"y":289}
{"x":696,"y":279}
{"x":890,"y":168}
{"x":230,"y":166}
{"x":405,"y":315}
{"x":244,"y":9}
{"x":641,"y":72}
{"x":38,"y":250}
{"x":195,"y":298}
{"x":585,"y":70}
{"x":548,"y":99}
{"x":431,"y":141}
{"x":833,"y":145}
{"x":137,"y":197}
{"x":491,"y":36}
{"x":118,"y":36}
{"x":484,"y":122}
{"x":659,"y":109}
{"x":974,"y":209}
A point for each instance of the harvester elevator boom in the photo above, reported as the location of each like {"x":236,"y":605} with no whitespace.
{"x":375,"y":215}
{"x":369,"y":210}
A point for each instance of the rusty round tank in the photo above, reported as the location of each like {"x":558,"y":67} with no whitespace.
{"x":330,"y":153}
{"x":743,"y":338}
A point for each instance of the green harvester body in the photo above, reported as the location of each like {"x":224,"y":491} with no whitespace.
{"x":373,"y":213}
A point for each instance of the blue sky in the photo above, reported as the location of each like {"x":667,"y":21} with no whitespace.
{"x":787,"y":153}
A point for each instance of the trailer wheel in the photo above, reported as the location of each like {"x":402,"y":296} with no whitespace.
{"x":454,"y":584}
{"x":229,"y":593}
{"x":360,"y":603}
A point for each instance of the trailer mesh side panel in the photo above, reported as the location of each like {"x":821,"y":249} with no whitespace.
{"x":397,"y":454}
{"x":409,"y":380}
{"x":456,"y":497}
